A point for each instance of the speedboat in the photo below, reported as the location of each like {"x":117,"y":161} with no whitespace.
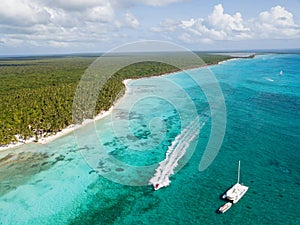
{"x":225,"y":207}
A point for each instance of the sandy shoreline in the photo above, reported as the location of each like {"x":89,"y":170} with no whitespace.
{"x":66,"y":130}
{"x":59,"y":134}
{"x":101,"y":115}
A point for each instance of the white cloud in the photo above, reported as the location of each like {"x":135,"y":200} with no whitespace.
{"x":166,"y":25}
{"x":62,"y":18}
{"x":76,"y":5}
{"x":197,"y":28}
{"x":22,"y":12}
{"x":60,"y":22}
{"x":221,"y":21}
{"x":100,"y":13}
{"x":278,"y":23}
{"x":131,"y":21}
{"x":132,"y":3}
{"x":88,"y":10}
{"x":159,"y":2}
{"x":63,"y":23}
{"x":217,"y":26}
{"x":277,"y":16}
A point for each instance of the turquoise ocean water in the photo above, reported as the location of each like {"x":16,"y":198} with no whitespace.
{"x":54,"y":184}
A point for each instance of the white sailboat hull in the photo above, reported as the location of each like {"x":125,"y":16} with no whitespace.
{"x":235,"y":193}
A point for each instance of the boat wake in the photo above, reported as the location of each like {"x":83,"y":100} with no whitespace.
{"x":269,"y":79}
{"x":175,"y":152}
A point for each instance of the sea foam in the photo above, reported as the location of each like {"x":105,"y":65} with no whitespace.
{"x":175,"y":152}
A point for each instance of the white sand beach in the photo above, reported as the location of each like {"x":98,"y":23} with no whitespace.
{"x":66,"y":130}
{"x":101,"y":115}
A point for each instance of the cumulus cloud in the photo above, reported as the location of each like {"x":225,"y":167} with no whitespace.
{"x":100,"y":13}
{"x":221,"y":21}
{"x":131,"y":21}
{"x":63,"y":23}
{"x":60,"y":22}
{"x":276,"y":23}
{"x":219,"y":26}
{"x":131,"y":3}
{"x":159,"y":2}
{"x":91,"y":10}
{"x":166,"y":25}
{"x":22,"y":12}
{"x":77,"y":5}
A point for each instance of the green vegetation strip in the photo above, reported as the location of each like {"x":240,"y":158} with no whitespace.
{"x":36,"y":94}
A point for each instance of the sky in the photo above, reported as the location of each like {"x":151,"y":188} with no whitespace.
{"x":88,"y":26}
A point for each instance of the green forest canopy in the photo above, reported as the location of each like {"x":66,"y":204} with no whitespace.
{"x":37,"y":93}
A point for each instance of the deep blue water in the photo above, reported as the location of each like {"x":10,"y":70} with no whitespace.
{"x":58,"y":183}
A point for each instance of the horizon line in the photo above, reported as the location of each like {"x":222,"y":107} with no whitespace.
{"x":95,"y":54}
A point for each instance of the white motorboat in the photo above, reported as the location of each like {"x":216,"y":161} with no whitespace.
{"x":225,"y":207}
{"x":175,"y":152}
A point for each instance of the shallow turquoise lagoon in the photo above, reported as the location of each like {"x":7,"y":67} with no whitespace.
{"x":99,"y":174}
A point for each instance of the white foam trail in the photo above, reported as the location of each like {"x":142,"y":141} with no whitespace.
{"x":269,"y":79}
{"x":175,"y":152}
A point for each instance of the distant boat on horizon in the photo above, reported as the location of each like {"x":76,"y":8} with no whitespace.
{"x":280,"y":73}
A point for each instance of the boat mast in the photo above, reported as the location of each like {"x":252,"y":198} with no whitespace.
{"x":239,"y":172}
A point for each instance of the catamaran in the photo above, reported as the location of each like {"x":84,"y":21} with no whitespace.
{"x":237,"y":191}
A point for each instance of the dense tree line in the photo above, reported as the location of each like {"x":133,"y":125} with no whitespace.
{"x":36,"y":95}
